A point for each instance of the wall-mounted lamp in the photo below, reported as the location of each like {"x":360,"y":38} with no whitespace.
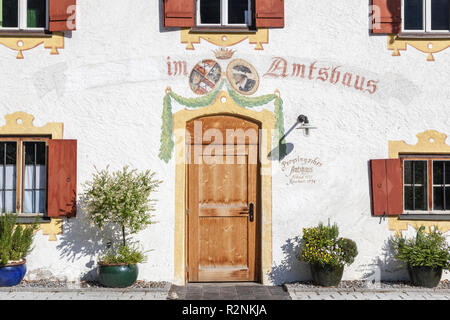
{"x":304,"y":124}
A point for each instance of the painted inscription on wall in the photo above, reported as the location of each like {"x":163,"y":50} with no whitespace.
{"x":314,"y":71}
{"x":300,"y":170}
{"x":323,"y":72}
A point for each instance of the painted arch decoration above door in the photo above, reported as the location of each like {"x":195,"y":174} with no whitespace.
{"x":167,"y":143}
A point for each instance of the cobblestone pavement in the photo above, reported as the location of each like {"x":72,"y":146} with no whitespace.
{"x":195,"y":291}
{"x":366,"y":294}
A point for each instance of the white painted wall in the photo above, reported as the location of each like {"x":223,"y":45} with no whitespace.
{"x":107,"y":87}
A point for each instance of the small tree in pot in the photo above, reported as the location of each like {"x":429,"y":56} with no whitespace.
{"x":425,"y":256}
{"x":327,"y":253}
{"x":121,"y":199}
{"x":15,"y":244}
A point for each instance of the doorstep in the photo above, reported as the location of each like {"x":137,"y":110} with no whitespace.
{"x":228,"y":291}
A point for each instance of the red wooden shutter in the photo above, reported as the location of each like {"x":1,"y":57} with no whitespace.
{"x":179,"y":13}
{"x":269,"y":13}
{"x":62,"y":15}
{"x":62,"y":178}
{"x":386,"y":16}
{"x":387,"y":187}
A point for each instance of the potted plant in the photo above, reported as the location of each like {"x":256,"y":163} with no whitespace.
{"x":327,"y":253}
{"x":15,"y":244}
{"x":120,"y":199}
{"x":425,"y":255}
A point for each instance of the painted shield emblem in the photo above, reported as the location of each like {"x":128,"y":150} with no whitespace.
{"x":243,"y":76}
{"x":205,"y":76}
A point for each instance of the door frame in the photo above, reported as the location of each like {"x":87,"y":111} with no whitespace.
{"x":223,"y":105}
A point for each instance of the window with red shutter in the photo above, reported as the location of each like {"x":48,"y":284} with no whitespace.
{"x":386,"y":16}
{"x":216,"y":14}
{"x":62,"y":15}
{"x":386,"y":187}
{"x":62,"y":178}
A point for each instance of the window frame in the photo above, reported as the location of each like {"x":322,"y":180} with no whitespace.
{"x":22,"y":19}
{"x":224,"y":23}
{"x":20,"y":170}
{"x":426,"y":18}
{"x":430,"y":192}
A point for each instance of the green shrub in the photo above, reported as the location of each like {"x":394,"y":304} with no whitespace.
{"x":120,"y":198}
{"x":424,"y":250}
{"x":323,"y":246}
{"x":15,"y":240}
{"x":124,"y":254}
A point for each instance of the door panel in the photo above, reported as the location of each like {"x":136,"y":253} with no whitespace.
{"x":221,"y":238}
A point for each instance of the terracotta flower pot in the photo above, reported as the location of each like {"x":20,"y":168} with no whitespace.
{"x":326,"y":275}
{"x":12,"y":274}
{"x":428,"y":277}
{"x":117,"y":275}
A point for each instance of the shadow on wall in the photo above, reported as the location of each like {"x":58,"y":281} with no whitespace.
{"x":382,"y":268}
{"x":81,"y":239}
{"x":290,"y":269}
{"x":385,"y":267}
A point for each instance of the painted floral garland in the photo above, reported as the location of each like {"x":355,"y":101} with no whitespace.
{"x":167,"y":144}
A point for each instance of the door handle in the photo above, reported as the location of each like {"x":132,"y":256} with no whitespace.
{"x":251,"y":210}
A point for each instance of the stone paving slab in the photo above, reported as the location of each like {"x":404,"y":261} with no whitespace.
{"x":20,"y":293}
{"x":315,"y":293}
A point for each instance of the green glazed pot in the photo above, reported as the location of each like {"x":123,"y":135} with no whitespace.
{"x":326,"y":275}
{"x":428,"y":277}
{"x":117,"y":275}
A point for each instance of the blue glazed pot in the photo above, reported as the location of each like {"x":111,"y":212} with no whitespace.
{"x":12,"y":274}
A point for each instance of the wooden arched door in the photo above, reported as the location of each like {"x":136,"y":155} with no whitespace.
{"x":222,"y":154}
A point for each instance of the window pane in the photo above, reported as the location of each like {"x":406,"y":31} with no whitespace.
{"x":40,"y":201}
{"x":40,"y":177}
{"x":440,"y":10}
{"x":447,"y":199}
{"x":447,"y":172}
{"x":28,"y":202}
{"x":414,"y":15}
{"x":40,"y":152}
{"x":438,"y":172}
{"x":210,"y":11}
{"x":438,"y":198}
{"x":29,"y":152}
{"x":9,"y":10}
{"x":29,"y":177}
{"x":420,"y":173}
{"x":420,"y":198}
{"x":10,"y":201}
{"x":10,"y":177}
{"x":237,"y":11}
{"x":408,"y":177}
{"x":2,"y":176}
{"x":11,"y":152}
{"x":36,"y":13}
{"x":409,"y":198}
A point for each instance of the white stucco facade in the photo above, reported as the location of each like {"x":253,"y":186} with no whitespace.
{"x":108,"y":83}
